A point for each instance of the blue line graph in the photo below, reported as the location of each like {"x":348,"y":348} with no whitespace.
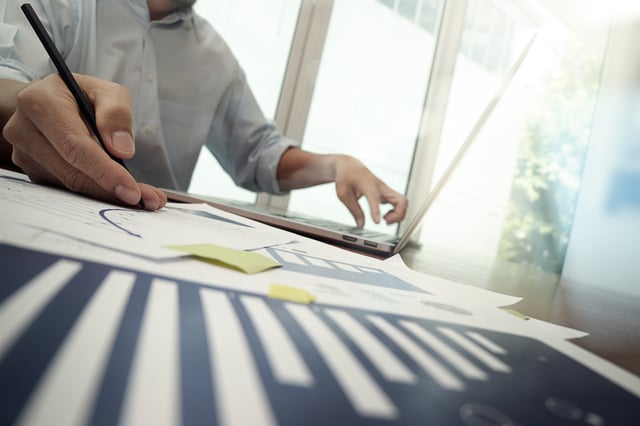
{"x":112,"y":217}
{"x":104,"y":214}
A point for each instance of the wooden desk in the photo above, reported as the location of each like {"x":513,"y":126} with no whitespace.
{"x":612,"y":319}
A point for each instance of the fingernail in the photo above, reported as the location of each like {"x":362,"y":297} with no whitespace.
{"x":128,"y":195}
{"x":123,"y":142}
{"x":149,"y":204}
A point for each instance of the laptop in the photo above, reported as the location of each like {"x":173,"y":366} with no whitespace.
{"x":358,"y":239}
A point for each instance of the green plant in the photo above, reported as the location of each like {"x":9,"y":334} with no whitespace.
{"x":550,"y":160}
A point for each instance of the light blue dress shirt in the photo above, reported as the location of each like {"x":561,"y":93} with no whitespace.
{"x":188,"y":90}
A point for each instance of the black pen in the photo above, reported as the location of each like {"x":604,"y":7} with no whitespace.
{"x":86,"y":109}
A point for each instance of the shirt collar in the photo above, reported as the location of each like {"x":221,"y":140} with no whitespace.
{"x":183,"y":17}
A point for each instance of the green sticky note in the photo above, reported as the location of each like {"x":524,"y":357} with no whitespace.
{"x":244,"y":261}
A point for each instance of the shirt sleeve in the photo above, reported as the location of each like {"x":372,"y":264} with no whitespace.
{"x":22,"y":56}
{"x":247,"y":145}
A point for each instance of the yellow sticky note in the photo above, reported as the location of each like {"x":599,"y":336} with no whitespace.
{"x":291,"y":294}
{"x":244,"y":261}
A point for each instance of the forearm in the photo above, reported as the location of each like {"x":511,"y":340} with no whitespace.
{"x":301,"y":169}
{"x":8,"y":94}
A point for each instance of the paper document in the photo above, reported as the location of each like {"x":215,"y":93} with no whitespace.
{"x":138,"y":232}
{"x":95,"y":329}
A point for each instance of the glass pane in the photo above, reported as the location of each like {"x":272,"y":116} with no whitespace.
{"x":491,"y":41}
{"x":514,"y":193}
{"x":260,"y":35}
{"x":369,"y":95}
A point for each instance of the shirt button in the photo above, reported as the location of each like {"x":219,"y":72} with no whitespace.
{"x":147,"y":129}
{"x":149,"y":77}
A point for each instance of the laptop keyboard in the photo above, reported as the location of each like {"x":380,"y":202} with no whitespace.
{"x":337,"y":226}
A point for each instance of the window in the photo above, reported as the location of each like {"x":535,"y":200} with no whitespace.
{"x":368,"y":98}
{"x":514,"y":194}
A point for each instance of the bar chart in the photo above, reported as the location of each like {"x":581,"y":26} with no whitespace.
{"x":85,"y":343}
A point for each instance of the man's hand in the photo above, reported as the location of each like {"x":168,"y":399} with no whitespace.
{"x":53,"y":145}
{"x":353,"y":180}
{"x":301,"y":169}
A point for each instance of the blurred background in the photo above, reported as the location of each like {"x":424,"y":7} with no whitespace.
{"x":552,"y":180}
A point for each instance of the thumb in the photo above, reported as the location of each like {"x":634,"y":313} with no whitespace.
{"x":114,"y":117}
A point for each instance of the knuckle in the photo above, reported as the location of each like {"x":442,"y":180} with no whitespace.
{"x":70,"y":149}
{"x":342,"y":196}
{"x":114,"y":114}
{"x":9,"y":132}
{"x":73,"y":180}
{"x":73,"y":151}
{"x":100,"y":174}
{"x":342,"y":192}
{"x":117,"y":100}
{"x":29,"y":100}
{"x":24,"y":96}
{"x":117,"y":110}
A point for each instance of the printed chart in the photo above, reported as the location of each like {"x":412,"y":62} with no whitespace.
{"x":82,"y":342}
{"x":313,"y":265}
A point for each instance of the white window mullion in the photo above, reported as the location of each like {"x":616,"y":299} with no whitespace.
{"x":300,"y":77}
{"x":429,"y":136}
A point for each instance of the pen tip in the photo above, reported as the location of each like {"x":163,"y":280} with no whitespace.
{"x":141,"y":204}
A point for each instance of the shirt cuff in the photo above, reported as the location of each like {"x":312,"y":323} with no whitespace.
{"x":11,"y":73}
{"x":268,"y":176}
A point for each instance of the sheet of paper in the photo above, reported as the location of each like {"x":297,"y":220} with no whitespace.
{"x":198,"y":340}
{"x":129,"y":229}
{"x":378,"y":338}
{"x":201,"y":223}
{"x":333,"y":274}
{"x":45,"y":214}
{"x":340,"y":283}
{"x":374,"y":296}
{"x":322,"y":252}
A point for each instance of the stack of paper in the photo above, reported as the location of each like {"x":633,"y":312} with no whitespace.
{"x":101,"y":322}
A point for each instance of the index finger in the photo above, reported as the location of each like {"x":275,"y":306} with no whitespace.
{"x":400,"y":204}
{"x":350,"y":200}
{"x":373,"y":199}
